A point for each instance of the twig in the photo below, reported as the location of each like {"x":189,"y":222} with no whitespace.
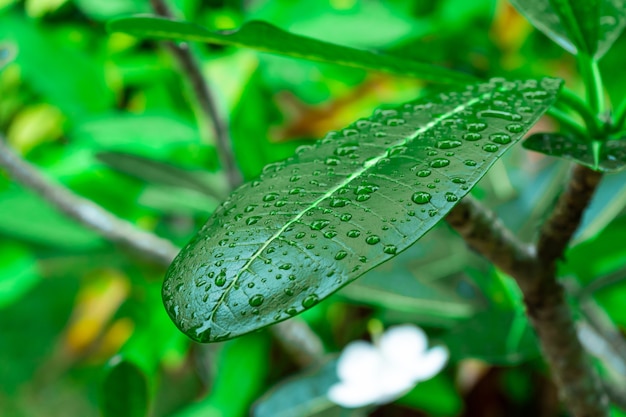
{"x":205,"y":98}
{"x":546,"y":307}
{"x":557,"y":232}
{"x":85,"y":211}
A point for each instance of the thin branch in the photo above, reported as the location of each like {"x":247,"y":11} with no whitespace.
{"x":85,"y":211}
{"x":558,"y":230}
{"x":295,"y":335}
{"x":205,"y":98}
{"x":545,"y":302}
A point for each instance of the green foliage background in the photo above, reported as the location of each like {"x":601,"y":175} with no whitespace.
{"x":111,"y":117}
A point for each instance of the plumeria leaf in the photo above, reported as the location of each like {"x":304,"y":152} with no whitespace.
{"x":304,"y":395}
{"x":609,"y":156}
{"x":579,"y":26}
{"x":320,"y":219}
{"x":265,"y":37}
{"x":124,"y":390}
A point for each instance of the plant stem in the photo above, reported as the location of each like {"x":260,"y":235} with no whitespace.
{"x":567,"y":122}
{"x":545,"y":302}
{"x":620,"y":116}
{"x":593,"y":83}
{"x":572,"y":101}
{"x":295,"y":335}
{"x":205,"y":99}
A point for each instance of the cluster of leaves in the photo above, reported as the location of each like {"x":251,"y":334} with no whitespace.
{"x":110,"y":118}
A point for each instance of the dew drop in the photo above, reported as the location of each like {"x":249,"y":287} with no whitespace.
{"x":339,"y":202}
{"x":362,"y":197}
{"x":451,"y":197}
{"x":270,"y":197}
{"x":449,"y":144}
{"x":253,"y":220}
{"x":472,"y":136}
{"x":440,"y":163}
{"x":340,"y":255}
{"x":345,"y":217}
{"x":249,"y":208}
{"x":256,"y":300}
{"x":390,"y":249}
{"x":285,"y":267}
{"x":470,"y":163}
{"x":500,"y":114}
{"x":310,"y":301}
{"x":372,"y":240}
{"x":423,"y":173}
{"x":300,"y":235}
{"x":332,"y":161}
{"x":500,"y":138}
{"x":421,"y":197}
{"x":288,"y":291}
{"x":458,"y":180}
{"x":319,"y":224}
{"x":292,"y":311}
{"x":476,"y":127}
{"x":331,"y":234}
{"x":515,"y":128}
{"x":490,"y":147}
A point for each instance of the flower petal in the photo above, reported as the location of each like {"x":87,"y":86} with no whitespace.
{"x":359,"y":361}
{"x":353,"y":395}
{"x":402,"y":343}
{"x":430,"y":363}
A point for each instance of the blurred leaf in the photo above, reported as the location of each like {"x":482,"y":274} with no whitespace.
{"x":417,"y":282}
{"x":585,"y":26}
{"x":497,"y":336}
{"x":242,"y":369}
{"x":156,"y":172}
{"x":103,"y":10}
{"x":26,"y":216}
{"x":7,"y":54}
{"x":348,"y":199}
{"x":73,"y":80}
{"x":166,"y":199}
{"x":151,"y":134}
{"x":30,"y":329}
{"x":18,"y":272}
{"x":437,"y":397}
{"x":612,"y":156}
{"x":265,"y":37}
{"x":124,"y":390}
{"x":304,"y":396}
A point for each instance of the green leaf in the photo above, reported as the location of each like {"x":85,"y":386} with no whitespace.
{"x":156,"y":172}
{"x":611,"y":158}
{"x":496,"y":336}
{"x":265,"y":37}
{"x":318,"y":220}
{"x":303,"y":396}
{"x":124,"y":390}
{"x":579,"y":26}
{"x":18,"y":272}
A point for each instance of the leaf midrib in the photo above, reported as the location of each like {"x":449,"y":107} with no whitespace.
{"x":348,"y":180}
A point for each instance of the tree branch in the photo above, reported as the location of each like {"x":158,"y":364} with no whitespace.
{"x":558,"y":230}
{"x":295,"y":335}
{"x":545,"y":302}
{"x":205,"y":98}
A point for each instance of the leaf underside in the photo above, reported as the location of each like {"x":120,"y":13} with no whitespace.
{"x":265,"y":37}
{"x":612,"y":153}
{"x":578,"y":26}
{"x":318,"y":220}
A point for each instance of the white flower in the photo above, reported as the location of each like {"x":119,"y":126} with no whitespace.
{"x":381,"y":373}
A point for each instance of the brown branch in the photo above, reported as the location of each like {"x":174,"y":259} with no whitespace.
{"x":558,"y":230}
{"x":546,"y":307}
{"x":205,"y":99}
